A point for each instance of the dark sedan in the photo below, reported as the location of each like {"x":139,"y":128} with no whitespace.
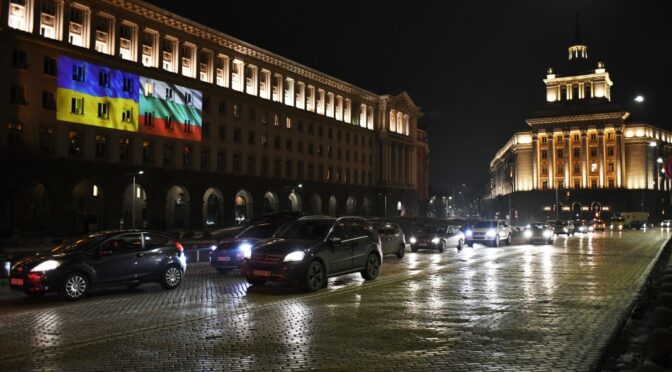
{"x":539,"y":232}
{"x":120,"y":257}
{"x":229,"y":254}
{"x":311,"y":249}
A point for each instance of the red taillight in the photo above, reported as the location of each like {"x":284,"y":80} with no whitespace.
{"x":35,"y":277}
{"x":179,"y":247}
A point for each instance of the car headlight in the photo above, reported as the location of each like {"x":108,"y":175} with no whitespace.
{"x":581,"y":228}
{"x":413,"y":240}
{"x":491,"y":233}
{"x":468,"y":233}
{"x":548,"y":233}
{"x":46,"y":266}
{"x":620,"y":227}
{"x":565,"y":229}
{"x":591,"y":228}
{"x":246,"y":248}
{"x":213,"y":247}
{"x":436,"y":240}
{"x":527,"y":234}
{"x":295,"y":256}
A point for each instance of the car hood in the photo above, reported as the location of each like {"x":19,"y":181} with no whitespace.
{"x":285,"y":246}
{"x":36,"y":259}
{"x":235,"y":243}
{"x":427,"y":236}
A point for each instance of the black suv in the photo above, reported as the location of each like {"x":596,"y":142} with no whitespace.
{"x":121,"y":257}
{"x":311,"y":249}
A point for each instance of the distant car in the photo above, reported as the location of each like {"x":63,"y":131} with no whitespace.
{"x":581,"y":227}
{"x":638,"y":225}
{"x":488,"y":232}
{"x":539,"y":232}
{"x":311,"y":249}
{"x":616,"y":223}
{"x":392,"y":238}
{"x":666,"y":223}
{"x":561,"y":227}
{"x":128,"y":257}
{"x":598,"y":225}
{"x":439,"y":237}
{"x":228,"y":254}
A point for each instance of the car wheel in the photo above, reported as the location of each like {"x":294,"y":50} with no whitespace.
{"x":460,"y":243}
{"x":372,"y":267}
{"x":258,"y":282}
{"x":414,"y":249}
{"x":401,"y":252}
{"x":224,"y":271}
{"x":132,"y":285}
{"x":315,"y":276}
{"x":508,"y":240}
{"x":495,"y":243}
{"x":74,"y":286}
{"x":442,"y":247}
{"x":171,"y":277}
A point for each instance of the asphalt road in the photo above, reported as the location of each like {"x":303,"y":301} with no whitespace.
{"x":519,"y":307}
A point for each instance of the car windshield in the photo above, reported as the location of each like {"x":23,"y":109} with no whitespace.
{"x":560,"y":223}
{"x":306,"y":230}
{"x":539,"y":225}
{"x":83,"y":243}
{"x":257,"y":232}
{"x":485,"y":224}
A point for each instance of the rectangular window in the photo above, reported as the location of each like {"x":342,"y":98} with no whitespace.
{"x":49,"y":67}
{"x":101,"y":146}
{"x":124,"y":148}
{"x":299,"y":146}
{"x":593,"y":152}
{"x":147,"y":151}
{"x":47,"y":140}
{"x":168,"y":123}
{"x":48,"y":100}
{"x":169,"y":94}
{"x":276,"y":142}
{"x":593,"y":137}
{"x":236,"y":111}
{"x":186,"y":157}
{"x":264,"y":139}
{"x":264,"y":167}
{"x":78,"y":73}
{"x":205,"y":159}
{"x":205,"y":129}
{"x":251,"y":140}
{"x":149,"y":48}
{"x":188,"y":126}
{"x":610,"y":151}
{"x":593,"y":184}
{"x":103,"y":110}
{"x":236,"y":135}
{"x":222,"y":107}
{"x":167,"y":155}
{"x":276,"y":120}
{"x":20,"y":59}
{"x":543,"y":154}
{"x":576,"y":153}
{"x":127,"y":85}
{"x":17,"y":95}
{"x":251,"y":166}
{"x":288,"y":122}
{"x":560,"y":154}
{"x":104,"y":79}
{"x":288,"y":169}
{"x":75,"y":145}
{"x":221,"y":161}
{"x":221,"y":132}
{"x":611,"y":167}
{"x":236,"y":163}
{"x":14,"y":134}
{"x":276,"y":168}
{"x":288,"y":144}
{"x":611,"y":184}
{"x":77,"y":105}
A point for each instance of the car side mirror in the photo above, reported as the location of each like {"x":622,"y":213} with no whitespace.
{"x":334,"y":240}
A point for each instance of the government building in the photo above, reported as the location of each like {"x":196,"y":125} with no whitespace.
{"x":581,"y":157}
{"x":116,"y":113}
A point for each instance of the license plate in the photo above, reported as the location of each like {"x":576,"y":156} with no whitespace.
{"x":225,"y":258}
{"x":422,"y":244}
{"x":262,"y":273}
{"x":16,"y":281}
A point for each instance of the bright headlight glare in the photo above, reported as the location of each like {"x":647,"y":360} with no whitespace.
{"x":436,"y":240}
{"x":246,"y":248}
{"x":564,"y":229}
{"x":213,"y":247}
{"x":469,"y":233}
{"x":413,"y":240}
{"x":491,"y":233}
{"x":294,"y":256}
{"x":547,"y":234}
{"x":527,"y":234}
{"x":46,"y":265}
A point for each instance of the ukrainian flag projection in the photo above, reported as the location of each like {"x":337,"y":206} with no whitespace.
{"x":170,"y":110}
{"x":95,"y":95}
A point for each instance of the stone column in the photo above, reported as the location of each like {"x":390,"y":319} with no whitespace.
{"x":89,"y":30}
{"x":600,"y":158}
{"x":65,"y":24}
{"x":37,"y":15}
{"x":551,"y":160}
{"x":58,"y":26}
{"x":159,"y":50}
{"x":567,"y":159}
{"x":618,"y":151}
{"x":584,"y":158}
{"x":535,"y":161}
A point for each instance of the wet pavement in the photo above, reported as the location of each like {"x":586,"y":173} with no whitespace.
{"x":518,"y":307}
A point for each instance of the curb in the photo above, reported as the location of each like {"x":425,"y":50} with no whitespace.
{"x":649,"y":285}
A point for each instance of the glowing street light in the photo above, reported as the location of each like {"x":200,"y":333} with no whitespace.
{"x":639,"y":98}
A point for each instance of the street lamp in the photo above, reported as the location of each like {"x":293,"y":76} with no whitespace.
{"x":135,"y":195}
{"x":639,"y":98}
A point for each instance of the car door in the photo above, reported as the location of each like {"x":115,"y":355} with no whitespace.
{"x":451,"y":236}
{"x":114,"y":261}
{"x":149,"y":259}
{"x":340,"y":255}
{"x":360,"y":238}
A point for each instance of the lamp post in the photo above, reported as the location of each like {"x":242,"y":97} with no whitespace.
{"x":133,"y":200}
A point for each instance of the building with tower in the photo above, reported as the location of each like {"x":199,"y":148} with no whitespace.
{"x":581,"y":157}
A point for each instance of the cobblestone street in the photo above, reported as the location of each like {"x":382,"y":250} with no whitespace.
{"x":520,"y":307}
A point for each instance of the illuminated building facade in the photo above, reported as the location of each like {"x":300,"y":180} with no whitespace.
{"x":96,"y":90}
{"x":583,"y":146}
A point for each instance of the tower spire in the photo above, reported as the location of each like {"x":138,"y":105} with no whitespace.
{"x":578,"y":50}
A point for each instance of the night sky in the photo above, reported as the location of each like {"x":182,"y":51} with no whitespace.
{"x":474,"y":67}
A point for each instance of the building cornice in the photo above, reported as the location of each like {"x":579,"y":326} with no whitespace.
{"x":166,"y":18}
{"x":620,"y":115}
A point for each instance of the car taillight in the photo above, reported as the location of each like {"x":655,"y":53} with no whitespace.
{"x":179,"y":247}
{"x":35,"y":277}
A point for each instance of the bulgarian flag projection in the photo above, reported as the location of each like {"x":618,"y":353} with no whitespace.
{"x":170,"y":110}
